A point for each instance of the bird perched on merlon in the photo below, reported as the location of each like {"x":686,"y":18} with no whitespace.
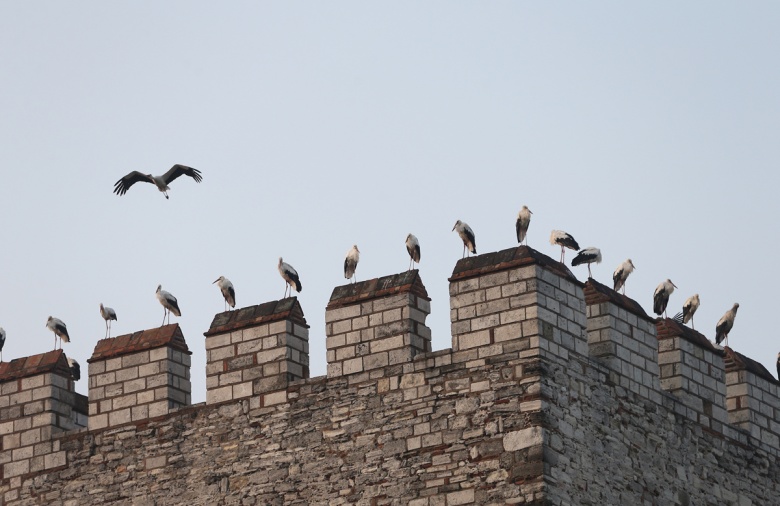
{"x":228,"y":292}
{"x":2,"y":342}
{"x":60,"y":330}
{"x":778,"y":366}
{"x":290,"y":276}
{"x":522,"y":223}
{"x":351,"y":261}
{"x":661,"y":297}
{"x":689,"y":308}
{"x":587,"y":256}
{"x":169,"y":304}
{"x":75,"y":369}
{"x":162,"y":182}
{"x":725,"y":324}
{"x":108,"y":314}
{"x":621,"y":274}
{"x":563,"y":240}
{"x":467,"y":236}
{"x":413,"y":247}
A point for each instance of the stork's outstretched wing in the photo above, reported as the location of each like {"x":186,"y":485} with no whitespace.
{"x":124,"y":184}
{"x":177,"y":170}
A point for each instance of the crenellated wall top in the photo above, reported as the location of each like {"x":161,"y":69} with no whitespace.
{"x":596,"y":293}
{"x":273,"y":311}
{"x":404,"y":282}
{"x":52,"y":361}
{"x":519,"y":256}
{"x":168,"y":335}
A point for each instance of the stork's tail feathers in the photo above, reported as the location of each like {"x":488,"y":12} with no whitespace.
{"x":678,"y":318}
{"x":298,"y":287}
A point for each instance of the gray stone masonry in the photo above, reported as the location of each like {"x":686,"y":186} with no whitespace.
{"x":138,"y":376}
{"x":255,"y":352}
{"x":376,"y":323}
{"x":752,"y":398}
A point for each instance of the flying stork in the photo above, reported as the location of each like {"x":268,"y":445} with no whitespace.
{"x":725,"y":324}
{"x":467,"y":236}
{"x":162,"y":182}
{"x":563,"y":240}
{"x":169,"y":304}
{"x":661,"y":297}
{"x":2,"y":342}
{"x":521,"y":225}
{"x":75,"y":369}
{"x":108,"y":314}
{"x":621,"y":274}
{"x":413,"y":247}
{"x":228,"y":292}
{"x":290,"y":276}
{"x":587,"y":256}
{"x":60,"y":330}
{"x":351,"y":261}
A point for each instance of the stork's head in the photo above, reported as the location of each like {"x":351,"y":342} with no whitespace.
{"x":670,"y":282}
{"x":159,"y":287}
{"x":525,"y":208}
{"x":280,"y":261}
{"x":354,"y":247}
{"x":736,"y":306}
{"x":457,"y":224}
{"x":631,"y":263}
{"x":408,"y":236}
{"x":47,"y":321}
{"x":221,"y":278}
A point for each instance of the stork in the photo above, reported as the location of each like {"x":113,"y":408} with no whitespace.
{"x":2,"y":342}
{"x":621,"y":274}
{"x":60,"y":330}
{"x":563,"y":240}
{"x":413,"y":247}
{"x":521,"y":225}
{"x":725,"y":324}
{"x":290,"y":276}
{"x":162,"y":182}
{"x":587,"y":256}
{"x":351,"y":261}
{"x":778,"y":366}
{"x":690,"y":307}
{"x":75,"y":369}
{"x":661,"y":296}
{"x":108,"y":314}
{"x":228,"y":292}
{"x":467,"y":236}
{"x":169,"y":304}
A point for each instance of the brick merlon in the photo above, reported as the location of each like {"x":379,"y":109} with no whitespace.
{"x":736,"y":361}
{"x":666,"y":328}
{"x":168,"y":335}
{"x":596,"y":293}
{"x":405,"y":282}
{"x":273,"y":311}
{"x":509,"y":259}
{"x":52,"y":361}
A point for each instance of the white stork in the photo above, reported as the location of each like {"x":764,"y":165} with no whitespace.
{"x":467,"y":236}
{"x":563,"y":240}
{"x":413,"y":247}
{"x":661,"y":297}
{"x":521,"y":225}
{"x":290,"y":276}
{"x":60,"y":330}
{"x":169,"y":304}
{"x":621,"y":274}
{"x":75,"y":369}
{"x":690,"y":307}
{"x":2,"y":342}
{"x":228,"y":292}
{"x":351,"y":261}
{"x":725,"y":324}
{"x":108,"y":314}
{"x":587,"y":256}
{"x":778,"y":366}
{"x":162,"y":182}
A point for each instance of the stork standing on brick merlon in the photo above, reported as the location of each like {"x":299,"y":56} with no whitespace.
{"x":351,"y":261}
{"x":661,"y":297}
{"x":108,"y":314}
{"x":587,"y":256}
{"x":75,"y":369}
{"x":162,"y":182}
{"x":563,"y":240}
{"x":725,"y":325}
{"x":690,"y":307}
{"x":621,"y":274}
{"x":228,"y":292}
{"x":413,"y":247}
{"x":290,"y":276}
{"x":60,"y":330}
{"x":2,"y":342}
{"x":169,"y":304}
{"x":778,"y":366}
{"x":467,"y":236}
{"x":522,"y":223}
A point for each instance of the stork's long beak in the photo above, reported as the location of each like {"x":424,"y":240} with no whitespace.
{"x":674,"y":285}
{"x":453,"y":227}
{"x":215,"y":281}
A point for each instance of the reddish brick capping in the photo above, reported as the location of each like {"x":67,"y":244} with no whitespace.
{"x":507,"y":259}
{"x":596,"y":293}
{"x":169,"y":335}
{"x":276,"y":310}
{"x":736,"y":361}
{"x":405,"y":282}
{"x":668,"y":328}
{"x":51,"y":361}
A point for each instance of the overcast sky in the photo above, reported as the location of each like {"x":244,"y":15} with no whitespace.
{"x":649,"y":130}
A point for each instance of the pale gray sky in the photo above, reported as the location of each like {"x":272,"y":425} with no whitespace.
{"x":646,"y":129}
